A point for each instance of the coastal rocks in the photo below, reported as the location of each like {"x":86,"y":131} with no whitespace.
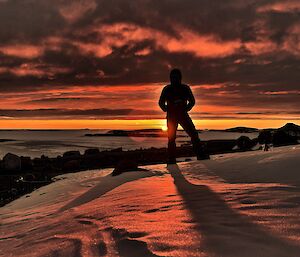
{"x":119,"y":149}
{"x":29,"y":177}
{"x":265,"y":137}
{"x":11,"y":162}
{"x":281,"y":138}
{"x":125,"y":165}
{"x":91,"y":152}
{"x":73,"y":165}
{"x":71,"y":154}
{"x":26,"y":163}
{"x":70,"y":161}
{"x":41,"y":164}
{"x":244,"y":143}
{"x":286,"y":135}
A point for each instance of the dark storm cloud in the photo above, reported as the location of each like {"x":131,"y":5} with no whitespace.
{"x":60,"y":43}
{"x":204,"y":16}
{"x":28,"y":20}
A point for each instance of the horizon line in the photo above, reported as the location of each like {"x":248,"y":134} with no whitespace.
{"x":204,"y":124}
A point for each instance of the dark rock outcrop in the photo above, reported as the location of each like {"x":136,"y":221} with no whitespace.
{"x":281,"y":138}
{"x":91,"y":152}
{"x":125,"y":165}
{"x":11,"y":162}
{"x":291,"y":129}
{"x":265,"y":137}
{"x":71,"y":154}
{"x":286,"y":135}
{"x":72,"y":165}
{"x":244,"y":143}
{"x":29,"y":177}
{"x":26,"y":163}
{"x":119,"y":149}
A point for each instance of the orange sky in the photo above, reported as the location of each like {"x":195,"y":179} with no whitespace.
{"x":131,"y":107}
{"x":135,"y":124}
{"x":89,"y":64}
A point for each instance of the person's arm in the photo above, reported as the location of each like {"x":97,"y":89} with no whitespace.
{"x":162,"y":100}
{"x":191,"y":100}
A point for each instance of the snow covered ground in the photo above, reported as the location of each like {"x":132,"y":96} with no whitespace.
{"x":241,"y":204}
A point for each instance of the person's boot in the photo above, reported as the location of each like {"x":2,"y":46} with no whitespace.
{"x":202,"y":153}
{"x":171,"y":152}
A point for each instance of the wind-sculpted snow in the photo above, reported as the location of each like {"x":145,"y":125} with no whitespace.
{"x":241,"y":204}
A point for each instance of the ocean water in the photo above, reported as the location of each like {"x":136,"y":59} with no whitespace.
{"x":52,"y":143}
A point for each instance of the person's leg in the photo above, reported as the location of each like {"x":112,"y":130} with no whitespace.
{"x":172,"y":124}
{"x":187,"y":124}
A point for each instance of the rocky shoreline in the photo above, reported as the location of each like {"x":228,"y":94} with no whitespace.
{"x":20,"y":175}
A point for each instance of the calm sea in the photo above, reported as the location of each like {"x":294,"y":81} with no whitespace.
{"x":53,"y":143}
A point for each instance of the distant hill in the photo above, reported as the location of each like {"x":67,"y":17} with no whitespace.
{"x":131,"y":133}
{"x":291,"y":129}
{"x":290,"y":126}
{"x":242,"y":130}
{"x":119,"y":131}
{"x":289,"y":134}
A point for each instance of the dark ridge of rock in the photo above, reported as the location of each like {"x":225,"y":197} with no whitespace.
{"x":29,"y":177}
{"x":291,"y":129}
{"x":71,"y":154}
{"x":265,"y":137}
{"x":244,"y":143}
{"x":281,"y":138}
{"x":119,"y":149}
{"x":72,"y":165}
{"x":26,"y":163}
{"x":118,"y":132}
{"x":11,"y":162}
{"x":91,"y":151}
{"x":125,"y":165}
{"x":286,"y":135}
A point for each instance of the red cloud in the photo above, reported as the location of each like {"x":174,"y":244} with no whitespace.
{"x":24,"y":51}
{"x":281,"y":6}
{"x":120,"y":34}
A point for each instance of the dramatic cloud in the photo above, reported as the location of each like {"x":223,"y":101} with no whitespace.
{"x":90,"y":113}
{"x":242,"y":57}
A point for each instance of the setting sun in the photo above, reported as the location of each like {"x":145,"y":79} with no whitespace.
{"x":164,"y":128}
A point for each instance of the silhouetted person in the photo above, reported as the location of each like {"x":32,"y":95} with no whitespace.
{"x":177,"y":100}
